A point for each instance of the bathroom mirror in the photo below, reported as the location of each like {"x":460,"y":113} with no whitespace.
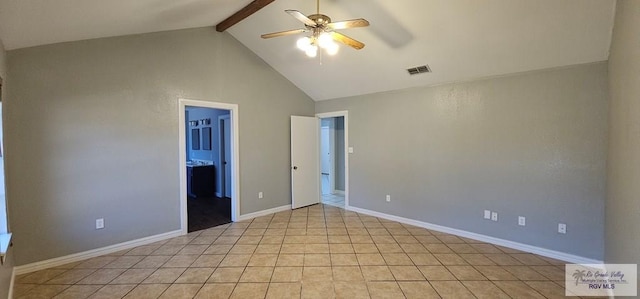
{"x":206,"y":139}
{"x":195,"y":139}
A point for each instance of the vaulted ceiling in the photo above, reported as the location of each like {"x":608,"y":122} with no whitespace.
{"x":459,"y":39}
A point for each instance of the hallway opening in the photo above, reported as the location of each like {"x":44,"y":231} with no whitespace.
{"x":332,"y":160}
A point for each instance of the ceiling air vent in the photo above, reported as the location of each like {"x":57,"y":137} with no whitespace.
{"x":419,"y":70}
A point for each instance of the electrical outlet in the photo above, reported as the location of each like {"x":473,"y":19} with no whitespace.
{"x":494,"y":216}
{"x":388,"y":198}
{"x":487,"y":214}
{"x":260,"y":195}
{"x":562,"y":228}
{"x":522,"y":221}
{"x":100,"y":223}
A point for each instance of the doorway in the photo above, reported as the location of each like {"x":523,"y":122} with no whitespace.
{"x":208,"y":164}
{"x":333,"y":159}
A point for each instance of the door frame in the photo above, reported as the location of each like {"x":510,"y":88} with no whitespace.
{"x":182,"y":155}
{"x":345,"y":114}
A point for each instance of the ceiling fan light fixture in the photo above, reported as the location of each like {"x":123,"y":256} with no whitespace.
{"x":312,"y":51}
{"x":332,"y":49}
{"x":325,"y":40}
{"x":304,"y":43}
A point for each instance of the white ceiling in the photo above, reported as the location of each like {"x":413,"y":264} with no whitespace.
{"x":26,"y":23}
{"x":459,"y":39}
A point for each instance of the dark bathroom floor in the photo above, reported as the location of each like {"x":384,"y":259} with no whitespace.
{"x":208,"y":212}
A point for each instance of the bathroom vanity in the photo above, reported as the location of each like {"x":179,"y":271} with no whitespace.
{"x":201,"y":180}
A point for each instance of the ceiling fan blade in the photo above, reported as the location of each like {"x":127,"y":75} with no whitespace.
{"x":347,"y":40}
{"x":282,"y":33}
{"x":348,"y":24}
{"x":301,"y":17}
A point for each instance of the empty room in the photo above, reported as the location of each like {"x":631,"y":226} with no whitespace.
{"x":319,"y":149}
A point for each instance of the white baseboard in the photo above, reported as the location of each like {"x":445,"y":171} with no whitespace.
{"x":496,"y":241}
{"x":59,"y":261}
{"x":264,"y":213}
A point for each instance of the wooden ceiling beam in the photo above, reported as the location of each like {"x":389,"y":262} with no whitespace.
{"x":242,"y":14}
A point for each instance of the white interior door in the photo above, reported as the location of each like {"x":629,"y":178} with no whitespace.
{"x":305,"y":168}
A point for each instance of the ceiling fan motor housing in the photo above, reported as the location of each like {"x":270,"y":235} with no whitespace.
{"x":320,"y":19}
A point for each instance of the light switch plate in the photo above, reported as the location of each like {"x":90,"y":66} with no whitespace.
{"x":487,"y":214}
{"x":522,"y":221}
{"x":562,"y":228}
{"x":350,"y":150}
{"x":100,"y":223}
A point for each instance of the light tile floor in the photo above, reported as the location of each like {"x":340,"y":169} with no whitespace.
{"x":335,"y":200}
{"x":315,"y":252}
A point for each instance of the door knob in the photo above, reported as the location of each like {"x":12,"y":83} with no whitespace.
{"x":295,"y":167}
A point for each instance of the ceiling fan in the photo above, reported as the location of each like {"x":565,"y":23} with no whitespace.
{"x":322,"y":31}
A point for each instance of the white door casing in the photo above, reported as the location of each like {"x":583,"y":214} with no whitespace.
{"x":234,"y":150}
{"x":305,"y":165}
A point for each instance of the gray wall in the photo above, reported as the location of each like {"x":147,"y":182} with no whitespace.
{"x":7,"y":268}
{"x":623,"y":190}
{"x":530,"y":145}
{"x":92,"y":131}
